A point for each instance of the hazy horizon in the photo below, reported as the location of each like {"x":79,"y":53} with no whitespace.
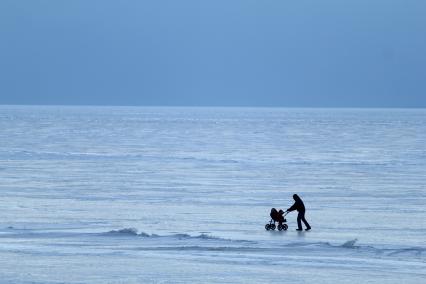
{"x":215,"y":106}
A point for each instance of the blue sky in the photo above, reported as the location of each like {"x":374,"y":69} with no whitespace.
{"x":329,"y":53}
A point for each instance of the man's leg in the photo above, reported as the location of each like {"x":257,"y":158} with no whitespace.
{"x":299,"y":223}
{"x":308,"y":227}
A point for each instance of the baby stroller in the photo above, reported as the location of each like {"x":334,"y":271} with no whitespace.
{"x":277,"y":216}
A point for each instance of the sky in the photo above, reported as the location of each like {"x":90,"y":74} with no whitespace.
{"x":277,"y":53}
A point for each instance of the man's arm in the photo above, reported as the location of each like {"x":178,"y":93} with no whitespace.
{"x":292,"y":208}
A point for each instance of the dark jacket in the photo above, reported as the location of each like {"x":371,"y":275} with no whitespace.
{"x":298,"y":204}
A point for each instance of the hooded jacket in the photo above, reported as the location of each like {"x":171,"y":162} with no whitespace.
{"x":298,"y":204}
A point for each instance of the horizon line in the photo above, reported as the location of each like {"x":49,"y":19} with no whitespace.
{"x":219,"y":106}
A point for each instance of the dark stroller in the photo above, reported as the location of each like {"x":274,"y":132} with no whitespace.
{"x":277,"y":216}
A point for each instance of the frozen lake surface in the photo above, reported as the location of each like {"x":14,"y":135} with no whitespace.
{"x":181,"y":195}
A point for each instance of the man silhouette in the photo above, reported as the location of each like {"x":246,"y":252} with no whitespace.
{"x":300,"y":207}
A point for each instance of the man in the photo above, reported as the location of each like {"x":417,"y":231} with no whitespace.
{"x":300,"y":207}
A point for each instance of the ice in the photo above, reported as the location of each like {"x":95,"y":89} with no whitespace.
{"x":181,"y":195}
{"x":350,"y":244}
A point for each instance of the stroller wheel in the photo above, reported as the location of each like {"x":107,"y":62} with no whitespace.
{"x":267,"y":227}
{"x":272,"y":227}
{"x":280,"y":227}
{"x":285,"y":226}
